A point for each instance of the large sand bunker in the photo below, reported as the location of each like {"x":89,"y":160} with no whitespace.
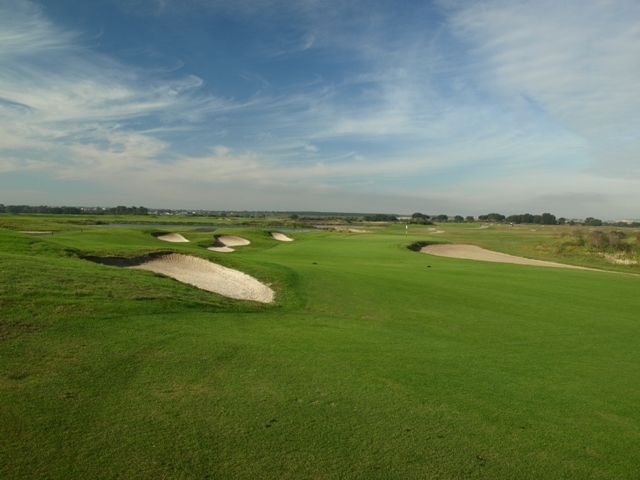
{"x":172,"y":237}
{"x":472,"y":252}
{"x":281,"y":236}
{"x":225,"y":242}
{"x":201,"y":274}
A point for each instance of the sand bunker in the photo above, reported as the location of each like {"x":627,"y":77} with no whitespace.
{"x":36,"y":232}
{"x":200,"y":273}
{"x":281,"y":236}
{"x":472,"y":252}
{"x":224,"y":242}
{"x":347,"y":230}
{"x":232,"y":241}
{"x":172,"y":237}
{"x":220,"y":249}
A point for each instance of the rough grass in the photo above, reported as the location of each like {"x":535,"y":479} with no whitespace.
{"x":371,"y":365}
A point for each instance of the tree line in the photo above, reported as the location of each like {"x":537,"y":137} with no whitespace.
{"x":44,"y":209}
{"x":544,"y":219}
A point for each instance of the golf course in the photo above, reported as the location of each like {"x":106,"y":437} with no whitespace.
{"x":339,"y":355}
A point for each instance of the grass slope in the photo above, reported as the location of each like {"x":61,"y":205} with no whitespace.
{"x":371,"y":364}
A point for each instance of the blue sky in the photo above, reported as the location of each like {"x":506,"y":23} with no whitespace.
{"x":455,"y":107}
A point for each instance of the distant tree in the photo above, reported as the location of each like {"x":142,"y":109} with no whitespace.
{"x":469,"y":219}
{"x":420,"y":219}
{"x":495,"y":217}
{"x":293,"y":216}
{"x":458,"y":219}
{"x":483,"y":218}
{"x":442,"y":218}
{"x":548,"y":219}
{"x":514,"y":219}
{"x":562,"y":221}
{"x":592,"y":222}
{"x":379,"y":217}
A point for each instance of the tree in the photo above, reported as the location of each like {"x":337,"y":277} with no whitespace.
{"x":458,"y":219}
{"x":548,"y":219}
{"x":470,"y":219}
{"x":379,"y":217}
{"x":562,"y":221}
{"x":592,"y":222}
{"x":495,"y":217}
{"x":293,"y":216}
{"x":420,"y":219}
{"x":442,"y":218}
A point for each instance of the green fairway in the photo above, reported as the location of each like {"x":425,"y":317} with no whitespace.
{"x":375,"y":361}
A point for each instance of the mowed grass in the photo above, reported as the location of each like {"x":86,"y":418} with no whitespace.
{"x":375,"y":362}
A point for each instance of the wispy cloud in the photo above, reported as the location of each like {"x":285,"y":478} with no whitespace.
{"x":578,"y":61}
{"x":483,"y":102}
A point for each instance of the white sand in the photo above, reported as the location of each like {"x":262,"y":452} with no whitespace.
{"x":232,"y":241}
{"x":222,"y":249}
{"x":281,"y":236}
{"x":472,"y":252}
{"x":172,"y":237}
{"x":209,"y":276}
{"x":225,"y":242}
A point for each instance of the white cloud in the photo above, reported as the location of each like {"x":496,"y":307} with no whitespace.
{"x":500,"y":103}
{"x":579,"y":62}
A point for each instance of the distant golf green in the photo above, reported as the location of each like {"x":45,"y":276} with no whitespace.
{"x":375,"y":361}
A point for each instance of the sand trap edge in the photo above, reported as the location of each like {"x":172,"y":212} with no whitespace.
{"x":281,"y":237}
{"x":199,"y":273}
{"x":216,"y":247}
{"x":171,"y":237}
{"x":232,"y":241}
{"x":473,"y":252}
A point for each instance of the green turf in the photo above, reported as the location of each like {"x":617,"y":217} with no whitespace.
{"x":375,"y":362}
